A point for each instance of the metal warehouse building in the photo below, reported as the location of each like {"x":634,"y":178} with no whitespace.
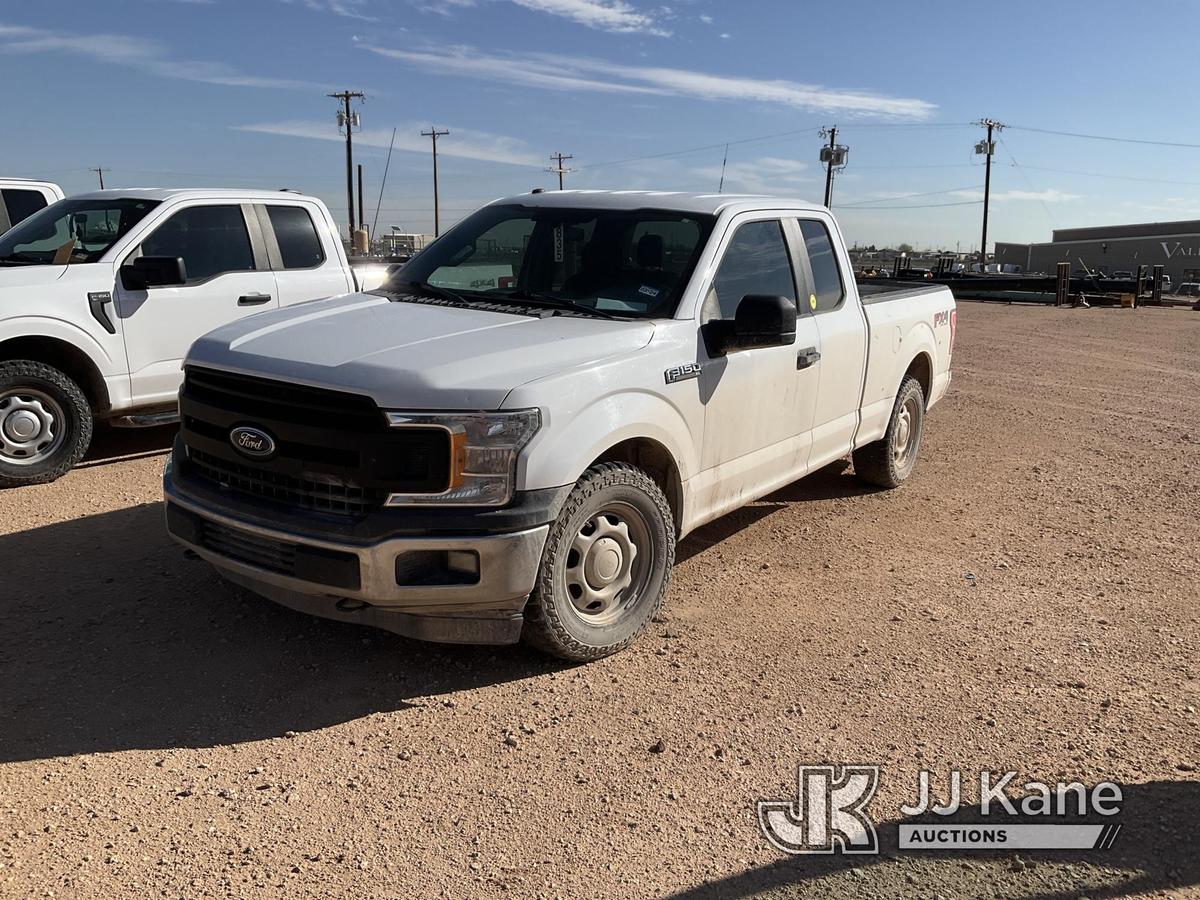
{"x":1113,"y":248}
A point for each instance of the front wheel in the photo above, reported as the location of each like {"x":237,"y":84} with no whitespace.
{"x":889,"y":461}
{"x":606,"y":566}
{"x":45,"y":423}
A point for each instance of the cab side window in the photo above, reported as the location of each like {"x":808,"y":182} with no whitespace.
{"x":212,"y":240}
{"x":755,"y":262}
{"x":21,"y":204}
{"x":296,"y":235}
{"x":827,"y":279}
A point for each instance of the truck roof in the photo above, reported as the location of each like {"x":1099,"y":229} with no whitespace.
{"x":679,"y":201}
{"x":192,"y":194}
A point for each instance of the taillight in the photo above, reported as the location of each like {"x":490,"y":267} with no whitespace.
{"x":953,"y":330}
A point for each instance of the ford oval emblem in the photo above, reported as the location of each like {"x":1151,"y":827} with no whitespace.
{"x":252,"y":442}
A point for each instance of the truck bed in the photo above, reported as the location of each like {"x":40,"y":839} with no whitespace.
{"x":879,"y":290}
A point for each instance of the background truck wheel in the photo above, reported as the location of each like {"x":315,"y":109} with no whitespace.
{"x":606,"y":566}
{"x":45,"y":423}
{"x":889,"y":461}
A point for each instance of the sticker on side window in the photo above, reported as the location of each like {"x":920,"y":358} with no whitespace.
{"x":558,"y":242}
{"x":648,"y":291}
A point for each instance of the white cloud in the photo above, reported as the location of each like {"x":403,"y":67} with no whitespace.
{"x":466,"y":143}
{"x":605,"y":15}
{"x":581,"y":73}
{"x":725,"y":35}
{"x":349,"y":9}
{"x":139,"y":53}
{"x":1051,"y":195}
{"x":706,"y":19}
{"x":765,"y":175}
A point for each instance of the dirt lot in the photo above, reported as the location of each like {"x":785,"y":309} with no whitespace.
{"x":1028,"y":601}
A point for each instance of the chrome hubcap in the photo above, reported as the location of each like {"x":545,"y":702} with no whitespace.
{"x":905,"y":445}
{"x":604,"y":570}
{"x":30,"y":426}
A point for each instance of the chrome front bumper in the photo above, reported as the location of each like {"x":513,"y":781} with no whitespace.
{"x":362,"y":582}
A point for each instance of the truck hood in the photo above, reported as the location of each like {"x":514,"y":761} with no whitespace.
{"x":413,"y":355}
{"x":34,"y":276}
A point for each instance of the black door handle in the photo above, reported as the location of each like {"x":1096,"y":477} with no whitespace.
{"x":808,"y":356}
{"x":253,"y":299}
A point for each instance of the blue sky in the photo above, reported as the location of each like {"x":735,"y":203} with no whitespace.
{"x":643,"y":95}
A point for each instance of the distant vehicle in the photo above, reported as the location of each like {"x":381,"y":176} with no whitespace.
{"x":507,"y":440}
{"x":1122,"y":275}
{"x":1189,"y":289}
{"x":20,"y":198}
{"x":102,"y":294}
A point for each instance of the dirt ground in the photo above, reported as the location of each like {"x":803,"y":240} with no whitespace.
{"x":1027,"y":601}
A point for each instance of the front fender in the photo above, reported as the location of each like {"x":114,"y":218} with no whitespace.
{"x":67,"y":332}
{"x":567,"y":446}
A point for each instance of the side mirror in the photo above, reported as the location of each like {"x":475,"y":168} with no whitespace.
{"x":153,"y":271}
{"x":761,"y":320}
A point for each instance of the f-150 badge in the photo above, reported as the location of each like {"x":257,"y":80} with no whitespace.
{"x":682,"y":373}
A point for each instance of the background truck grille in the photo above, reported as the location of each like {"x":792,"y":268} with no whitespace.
{"x":335,"y":452}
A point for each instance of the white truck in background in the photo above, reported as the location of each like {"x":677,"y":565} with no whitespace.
{"x":507,"y":440}
{"x":102,"y":294}
{"x":20,"y":198}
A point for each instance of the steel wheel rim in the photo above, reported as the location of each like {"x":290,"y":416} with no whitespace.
{"x":907,"y":424}
{"x":608,"y":563}
{"x":32,"y":426}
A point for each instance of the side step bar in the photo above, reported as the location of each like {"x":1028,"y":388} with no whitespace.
{"x":146,"y":420}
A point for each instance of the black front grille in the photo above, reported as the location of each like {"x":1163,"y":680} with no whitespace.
{"x":265,"y":553}
{"x":335,"y":452}
{"x":323,"y":496}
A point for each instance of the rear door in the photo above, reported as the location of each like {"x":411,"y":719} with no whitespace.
{"x":843,"y":331}
{"x":228,"y":278}
{"x":305,"y":267}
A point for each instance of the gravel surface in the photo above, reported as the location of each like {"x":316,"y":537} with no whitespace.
{"x":1027,"y":601}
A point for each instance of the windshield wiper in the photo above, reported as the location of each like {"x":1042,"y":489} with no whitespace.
{"x":22,"y":259}
{"x":537,"y":298}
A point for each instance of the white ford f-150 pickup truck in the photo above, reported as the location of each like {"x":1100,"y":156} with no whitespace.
{"x":509,"y":437}
{"x":101,"y":295}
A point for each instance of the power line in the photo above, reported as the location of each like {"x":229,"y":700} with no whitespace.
{"x":1105,"y":137}
{"x":765,"y":137}
{"x":921,"y":205}
{"x":988,"y":149}
{"x":100,"y":172}
{"x":969,"y":187}
{"x":1110,"y":175}
{"x":349,"y":120}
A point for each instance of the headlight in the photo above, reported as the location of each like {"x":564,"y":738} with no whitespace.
{"x":483,"y":454}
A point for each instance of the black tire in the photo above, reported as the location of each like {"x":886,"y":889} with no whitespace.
{"x":889,"y":461}
{"x":52,"y":399}
{"x":556,"y":620}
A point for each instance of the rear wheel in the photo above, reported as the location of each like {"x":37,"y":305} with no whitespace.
{"x":45,"y":423}
{"x":889,"y":461}
{"x":606,"y":566}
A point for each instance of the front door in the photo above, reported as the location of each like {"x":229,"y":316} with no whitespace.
{"x":758,"y":404}
{"x":228,"y":278}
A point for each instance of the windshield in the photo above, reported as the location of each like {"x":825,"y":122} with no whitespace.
{"x":615,"y":262}
{"x":72,"y":231}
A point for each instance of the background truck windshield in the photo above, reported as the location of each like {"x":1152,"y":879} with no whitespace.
{"x":627,"y":262}
{"x":72,"y":231}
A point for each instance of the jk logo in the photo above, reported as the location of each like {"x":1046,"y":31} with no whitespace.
{"x":828,"y":814}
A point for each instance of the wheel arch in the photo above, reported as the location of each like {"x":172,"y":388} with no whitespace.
{"x":67,"y":358}
{"x":921,"y":368}
{"x":653,"y":458}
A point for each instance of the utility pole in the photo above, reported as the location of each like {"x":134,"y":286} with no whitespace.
{"x":559,"y":158}
{"x":988,"y":149}
{"x":434,"y":134}
{"x":348,"y":120}
{"x":99,"y":172}
{"x":361,"y":218}
{"x":834,"y":156}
